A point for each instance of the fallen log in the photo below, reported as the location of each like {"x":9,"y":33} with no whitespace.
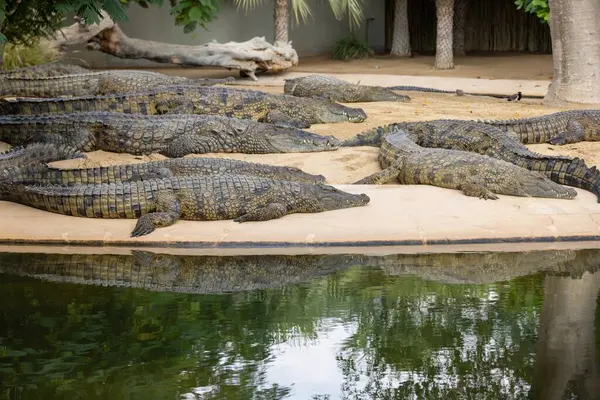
{"x":250,"y":57}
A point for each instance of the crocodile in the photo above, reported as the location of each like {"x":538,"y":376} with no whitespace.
{"x":408,"y":88}
{"x":488,"y":140}
{"x":173,"y":135}
{"x":97,"y":83}
{"x":187,"y":99}
{"x":161,"y":202}
{"x":474,"y":174}
{"x":559,"y":128}
{"x":40,"y":173}
{"x":333,"y":89}
{"x":41,"y":70}
{"x":36,"y":154}
{"x":459,"y":92}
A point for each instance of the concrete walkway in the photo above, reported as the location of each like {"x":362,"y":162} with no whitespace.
{"x":469,"y":85}
{"x":396,"y":215}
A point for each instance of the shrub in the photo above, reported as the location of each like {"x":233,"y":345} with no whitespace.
{"x":350,"y":47}
{"x":18,"y":56}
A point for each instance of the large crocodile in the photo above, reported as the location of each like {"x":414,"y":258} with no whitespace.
{"x":559,"y":128}
{"x":97,"y":83}
{"x":474,"y":174}
{"x":333,"y":89}
{"x":161,"y":202}
{"x":36,"y":154}
{"x":41,"y":70}
{"x":488,"y":140}
{"x":173,"y":135}
{"x":40,"y":173}
{"x":187,"y":99}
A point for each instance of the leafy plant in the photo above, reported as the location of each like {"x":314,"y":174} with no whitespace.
{"x":20,"y":55}
{"x":26,"y":21}
{"x":351,"y":47}
{"x":537,"y":7}
{"x":193,"y":13}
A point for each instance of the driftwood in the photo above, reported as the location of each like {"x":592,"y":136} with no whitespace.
{"x":250,"y":57}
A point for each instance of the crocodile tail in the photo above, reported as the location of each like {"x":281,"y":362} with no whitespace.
{"x":578,"y":174}
{"x":37,"y":153}
{"x":372,"y":137}
{"x":593,"y":176}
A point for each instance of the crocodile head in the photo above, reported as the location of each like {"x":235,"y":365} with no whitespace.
{"x":291,"y":140}
{"x":273,"y":138}
{"x":328,"y":112}
{"x":321,"y":197}
{"x":384,"y":94}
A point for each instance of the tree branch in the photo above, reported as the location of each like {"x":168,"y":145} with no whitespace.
{"x":254,"y":55}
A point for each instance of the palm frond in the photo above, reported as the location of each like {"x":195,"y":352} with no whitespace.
{"x":248,"y":5}
{"x":301,"y":11}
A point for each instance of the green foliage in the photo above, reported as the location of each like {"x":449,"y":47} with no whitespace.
{"x":25,"y":21}
{"x":19,"y":56}
{"x":193,"y":13}
{"x":351,"y":47}
{"x":537,"y":7}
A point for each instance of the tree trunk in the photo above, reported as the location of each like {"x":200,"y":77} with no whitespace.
{"x":254,"y":55}
{"x":444,"y":58}
{"x":575,"y":31}
{"x":281,"y":19}
{"x":401,"y":35}
{"x":1,"y":57}
{"x":460,"y":24}
{"x":566,"y":357}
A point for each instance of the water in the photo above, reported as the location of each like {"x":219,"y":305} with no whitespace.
{"x":438,"y":326}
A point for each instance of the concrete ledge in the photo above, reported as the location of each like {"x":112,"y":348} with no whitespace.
{"x":470,"y":85}
{"x":397,"y":215}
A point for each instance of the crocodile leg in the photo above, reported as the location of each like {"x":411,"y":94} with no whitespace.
{"x":154,"y":173}
{"x":82,"y":138}
{"x":168,"y":211}
{"x":578,"y":130}
{"x":279,"y":118}
{"x":175,"y":105}
{"x":189,"y":144}
{"x":575,"y":133}
{"x":271,"y":211}
{"x":379,"y":178}
{"x":475,"y":189}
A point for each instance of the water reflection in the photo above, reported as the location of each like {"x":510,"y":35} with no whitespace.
{"x":472,"y":325}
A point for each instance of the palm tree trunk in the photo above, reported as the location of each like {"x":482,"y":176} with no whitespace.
{"x":401,"y":35}
{"x":281,"y":17}
{"x":460,"y":24}
{"x":444,"y":58}
{"x":575,"y":31}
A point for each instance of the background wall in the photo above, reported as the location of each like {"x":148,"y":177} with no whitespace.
{"x":491,"y":26}
{"x":316,"y":37}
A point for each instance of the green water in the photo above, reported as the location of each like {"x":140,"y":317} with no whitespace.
{"x":445,"y":326}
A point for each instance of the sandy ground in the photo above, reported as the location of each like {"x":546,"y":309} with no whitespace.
{"x":348,"y":165}
{"x":494,"y":66}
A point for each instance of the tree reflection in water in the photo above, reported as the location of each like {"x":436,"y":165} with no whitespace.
{"x":455,"y":326}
